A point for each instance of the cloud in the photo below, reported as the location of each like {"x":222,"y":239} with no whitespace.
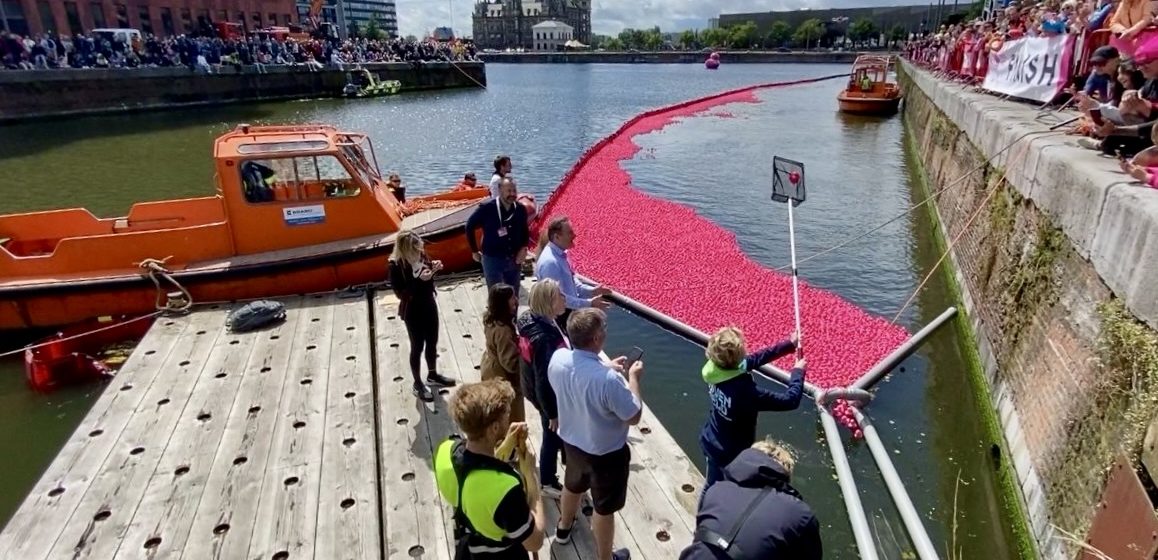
{"x":609,"y":17}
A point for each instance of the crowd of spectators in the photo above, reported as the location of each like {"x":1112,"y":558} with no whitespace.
{"x":206,"y":53}
{"x":1113,"y":79}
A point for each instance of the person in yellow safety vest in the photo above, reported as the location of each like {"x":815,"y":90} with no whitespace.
{"x":491,"y":515}
{"x":866,"y":83}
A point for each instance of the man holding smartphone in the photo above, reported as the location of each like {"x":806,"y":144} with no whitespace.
{"x":596,"y":406}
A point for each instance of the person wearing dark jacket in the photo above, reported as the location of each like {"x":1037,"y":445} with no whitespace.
{"x":412,"y":280}
{"x":504,"y":236}
{"x":754,"y":513}
{"x":736,"y":398}
{"x":539,"y":337}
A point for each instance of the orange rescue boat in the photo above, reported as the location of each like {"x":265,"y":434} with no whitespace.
{"x":869,"y":91}
{"x":298,"y":209}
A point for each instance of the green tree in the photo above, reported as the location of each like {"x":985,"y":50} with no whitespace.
{"x":373,"y":30}
{"x":898,"y":33}
{"x":599,"y":41}
{"x":613,"y":44}
{"x":862,"y":30}
{"x":689,"y":39}
{"x":779,"y":34}
{"x":717,"y":37}
{"x":354,"y":30}
{"x":653,"y":39}
{"x":411,"y":39}
{"x":809,"y":31}
{"x":744,"y":35}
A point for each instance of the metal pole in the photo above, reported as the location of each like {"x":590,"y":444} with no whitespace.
{"x":883,"y":367}
{"x":767,"y":371}
{"x":795,"y":289}
{"x":856,"y":516}
{"x":909,"y":515}
{"x":4,"y":18}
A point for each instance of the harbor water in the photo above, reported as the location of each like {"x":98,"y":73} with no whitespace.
{"x":545,"y":116}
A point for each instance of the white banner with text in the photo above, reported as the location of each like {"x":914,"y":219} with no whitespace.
{"x":1036,"y":68}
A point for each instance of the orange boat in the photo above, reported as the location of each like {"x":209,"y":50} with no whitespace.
{"x":869,"y":91}
{"x":298,"y":209}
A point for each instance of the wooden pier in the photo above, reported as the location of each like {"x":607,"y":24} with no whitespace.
{"x":299,"y":441}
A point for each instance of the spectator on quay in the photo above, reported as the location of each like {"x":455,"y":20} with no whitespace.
{"x":1129,"y":140}
{"x":1105,"y":61}
{"x":755,"y":512}
{"x":736,"y":399}
{"x":596,"y":407}
{"x":1129,"y":25}
{"x":504,"y":236}
{"x":492,"y":519}
{"x":539,"y":337}
{"x":1112,"y":110}
{"x":502,"y":169}
{"x":500,"y":359}
{"x":412,"y":280}
{"x":552,"y":263}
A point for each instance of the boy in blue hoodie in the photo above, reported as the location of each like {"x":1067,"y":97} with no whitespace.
{"x":736,"y":398}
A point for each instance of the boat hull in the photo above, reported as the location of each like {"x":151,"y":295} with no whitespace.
{"x":63,"y":303}
{"x":868,"y":105}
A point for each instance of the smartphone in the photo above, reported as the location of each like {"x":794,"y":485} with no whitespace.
{"x":633,"y":356}
{"x":1096,"y":115}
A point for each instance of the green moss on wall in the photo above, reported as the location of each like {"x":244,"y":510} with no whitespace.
{"x":1011,"y":502}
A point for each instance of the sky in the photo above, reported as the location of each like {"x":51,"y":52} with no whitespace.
{"x":609,"y":17}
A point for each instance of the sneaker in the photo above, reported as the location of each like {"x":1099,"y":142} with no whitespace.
{"x":1089,"y":143}
{"x":435,"y":379}
{"x":553,"y":489}
{"x":621,"y":554}
{"x":563,"y":536}
{"x":422,"y":391}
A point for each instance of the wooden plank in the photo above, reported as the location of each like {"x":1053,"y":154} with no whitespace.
{"x":166,"y":512}
{"x":287,"y":512}
{"x":348,"y":526}
{"x":223,"y":524}
{"x":101,"y":518}
{"x":415,"y":525}
{"x":663,"y":459}
{"x":37,"y":524}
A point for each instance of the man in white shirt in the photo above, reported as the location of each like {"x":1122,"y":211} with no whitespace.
{"x":502,"y":169}
{"x":596,"y":406}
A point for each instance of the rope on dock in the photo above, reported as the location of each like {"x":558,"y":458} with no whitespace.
{"x":80,"y":335}
{"x":155,"y":268}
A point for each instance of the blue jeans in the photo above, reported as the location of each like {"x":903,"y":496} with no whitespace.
{"x":549,"y":453}
{"x":501,"y":269}
{"x":713,"y":473}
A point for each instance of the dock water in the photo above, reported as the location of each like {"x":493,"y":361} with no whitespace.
{"x":299,"y":441}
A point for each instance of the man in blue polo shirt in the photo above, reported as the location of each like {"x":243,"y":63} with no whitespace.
{"x":552,"y":263}
{"x":504,"y":236}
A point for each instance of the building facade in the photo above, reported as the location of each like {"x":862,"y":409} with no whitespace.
{"x":551,"y":35}
{"x":502,"y":24}
{"x":355,"y":15}
{"x":157,"y":17}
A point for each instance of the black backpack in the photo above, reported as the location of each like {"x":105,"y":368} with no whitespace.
{"x":255,"y":315}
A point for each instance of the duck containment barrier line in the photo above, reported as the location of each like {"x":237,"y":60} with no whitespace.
{"x":844,"y":341}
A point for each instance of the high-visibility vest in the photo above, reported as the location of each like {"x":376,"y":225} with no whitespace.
{"x":481,"y":489}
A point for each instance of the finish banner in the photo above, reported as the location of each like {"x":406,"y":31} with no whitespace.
{"x":1036,"y":68}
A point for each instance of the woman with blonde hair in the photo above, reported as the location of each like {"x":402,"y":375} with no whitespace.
{"x":412,"y":279}
{"x":539,"y":337}
{"x":501,"y":357}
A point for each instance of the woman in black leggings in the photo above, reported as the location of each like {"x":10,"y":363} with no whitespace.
{"x":412,"y":279}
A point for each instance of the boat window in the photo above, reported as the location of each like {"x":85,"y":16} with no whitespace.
{"x":297,"y":178}
{"x":358,"y":162}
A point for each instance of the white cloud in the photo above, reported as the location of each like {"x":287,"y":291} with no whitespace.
{"x":609,"y":17}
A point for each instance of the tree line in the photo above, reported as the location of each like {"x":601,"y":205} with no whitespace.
{"x":809,"y":34}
